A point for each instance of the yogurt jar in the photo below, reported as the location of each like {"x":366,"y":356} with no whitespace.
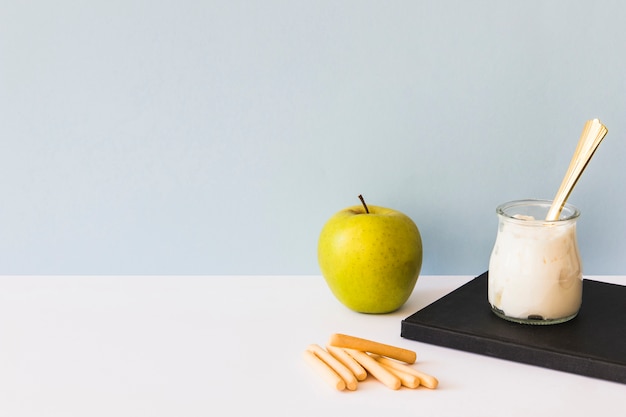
{"x":535,"y":270}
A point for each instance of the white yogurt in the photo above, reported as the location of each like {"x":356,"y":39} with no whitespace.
{"x":535,"y":271}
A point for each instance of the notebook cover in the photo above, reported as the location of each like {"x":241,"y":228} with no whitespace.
{"x":592,"y":344}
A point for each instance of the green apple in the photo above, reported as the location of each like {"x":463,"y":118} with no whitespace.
{"x":370,"y":257}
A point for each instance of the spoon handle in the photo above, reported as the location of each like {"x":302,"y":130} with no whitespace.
{"x":593,"y":133}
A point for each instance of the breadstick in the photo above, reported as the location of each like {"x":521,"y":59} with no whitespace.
{"x":426,"y":380}
{"x":376,"y":369}
{"x":342,"y":356}
{"x":341,"y":370}
{"x":324,"y":371}
{"x":364,"y":345}
{"x":408,"y":380}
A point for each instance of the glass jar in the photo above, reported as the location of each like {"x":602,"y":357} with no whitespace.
{"x":535,"y":270}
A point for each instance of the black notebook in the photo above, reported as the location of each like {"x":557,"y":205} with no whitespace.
{"x":592,"y":344}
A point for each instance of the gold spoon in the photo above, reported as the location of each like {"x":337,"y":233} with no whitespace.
{"x":592,"y":135}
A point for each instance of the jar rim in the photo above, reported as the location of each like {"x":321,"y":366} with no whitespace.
{"x":568,"y":213}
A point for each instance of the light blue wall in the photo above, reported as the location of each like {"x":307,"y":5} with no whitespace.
{"x":204,"y":137}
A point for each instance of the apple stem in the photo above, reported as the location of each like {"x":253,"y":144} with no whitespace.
{"x":364,"y":205}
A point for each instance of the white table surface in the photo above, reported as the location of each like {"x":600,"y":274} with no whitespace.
{"x":232,"y":345}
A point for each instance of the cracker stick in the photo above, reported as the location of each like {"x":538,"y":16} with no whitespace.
{"x":342,"y":356}
{"x":324,"y":371}
{"x":341,"y":370}
{"x":364,"y":345}
{"x":426,"y":380}
{"x":376,"y":369}
{"x":408,"y":380}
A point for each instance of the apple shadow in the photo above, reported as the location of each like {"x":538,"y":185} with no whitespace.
{"x":421,"y":298}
